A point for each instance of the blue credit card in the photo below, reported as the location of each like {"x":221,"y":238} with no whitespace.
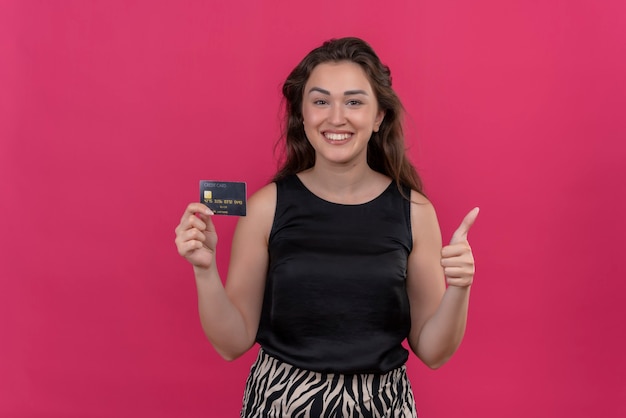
{"x":224,"y":197}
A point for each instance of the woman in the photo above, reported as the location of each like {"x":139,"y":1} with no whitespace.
{"x":340,"y":258}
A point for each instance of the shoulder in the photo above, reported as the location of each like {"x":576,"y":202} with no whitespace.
{"x":424,"y":222}
{"x":263,"y":202}
{"x":264,"y":196}
{"x":420,"y":205}
{"x":260,"y":210}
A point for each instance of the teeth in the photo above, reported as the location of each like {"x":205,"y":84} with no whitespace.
{"x":336,"y":137}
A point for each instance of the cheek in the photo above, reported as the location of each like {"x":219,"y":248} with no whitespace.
{"x":364,"y":119}
{"x":308,"y":122}
{"x":309,"y":116}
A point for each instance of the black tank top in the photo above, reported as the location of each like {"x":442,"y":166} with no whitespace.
{"x":335,"y":296}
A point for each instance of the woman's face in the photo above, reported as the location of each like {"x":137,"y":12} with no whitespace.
{"x":340,"y":112}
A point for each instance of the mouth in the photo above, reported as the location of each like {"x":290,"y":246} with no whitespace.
{"x":336,"y":136}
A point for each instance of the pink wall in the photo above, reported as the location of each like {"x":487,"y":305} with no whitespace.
{"x":111,"y":111}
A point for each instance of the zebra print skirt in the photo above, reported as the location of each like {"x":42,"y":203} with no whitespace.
{"x":277,"y":389}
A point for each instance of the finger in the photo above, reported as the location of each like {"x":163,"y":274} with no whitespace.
{"x":453,"y":272}
{"x":192,"y":221}
{"x":195,"y":222}
{"x":458,"y":272}
{"x":196,"y":207}
{"x":456,"y":250}
{"x":460,"y":234}
{"x":188,"y":247}
{"x":463,"y":282}
{"x":193,"y":234}
{"x":461,"y":261}
{"x":198,"y":220}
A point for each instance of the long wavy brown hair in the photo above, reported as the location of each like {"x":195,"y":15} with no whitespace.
{"x":386,"y":152}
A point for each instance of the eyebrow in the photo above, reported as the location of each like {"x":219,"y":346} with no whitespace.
{"x":345,"y":93}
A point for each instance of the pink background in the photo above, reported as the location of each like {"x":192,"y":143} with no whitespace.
{"x":111,"y":111}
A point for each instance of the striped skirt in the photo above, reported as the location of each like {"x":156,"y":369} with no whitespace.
{"x":277,"y":389}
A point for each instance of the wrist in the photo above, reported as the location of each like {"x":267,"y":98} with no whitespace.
{"x":459,"y":290}
{"x":202,"y":273}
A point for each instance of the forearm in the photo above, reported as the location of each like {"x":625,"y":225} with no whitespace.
{"x":222,"y":322}
{"x":442,"y":333}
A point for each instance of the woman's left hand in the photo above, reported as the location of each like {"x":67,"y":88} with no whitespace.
{"x":456,"y":258}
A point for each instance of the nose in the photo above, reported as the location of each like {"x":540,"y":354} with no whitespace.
{"x":337,"y":116}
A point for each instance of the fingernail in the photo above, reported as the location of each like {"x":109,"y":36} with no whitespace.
{"x":209,"y":212}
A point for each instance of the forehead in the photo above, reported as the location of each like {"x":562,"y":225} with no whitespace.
{"x":338,"y":77}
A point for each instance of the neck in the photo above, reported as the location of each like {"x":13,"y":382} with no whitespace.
{"x":342,"y":184}
{"x":341,"y":178}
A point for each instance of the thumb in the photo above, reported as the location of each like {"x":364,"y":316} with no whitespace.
{"x":460,"y":234}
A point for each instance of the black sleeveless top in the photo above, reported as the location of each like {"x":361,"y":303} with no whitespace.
{"x":335,"y":296}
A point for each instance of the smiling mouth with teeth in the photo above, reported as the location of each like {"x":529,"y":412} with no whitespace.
{"x":337,"y":137}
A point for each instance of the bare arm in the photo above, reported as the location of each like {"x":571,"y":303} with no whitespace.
{"x":230,"y":314}
{"x":438,"y":314}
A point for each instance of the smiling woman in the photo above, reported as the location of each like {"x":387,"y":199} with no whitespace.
{"x":343,"y":118}
{"x":339,"y":260}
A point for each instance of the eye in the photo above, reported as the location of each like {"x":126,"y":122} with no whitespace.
{"x":319,"y":102}
{"x":354,"y":102}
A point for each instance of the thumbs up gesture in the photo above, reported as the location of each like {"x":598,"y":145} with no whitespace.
{"x":456,"y":258}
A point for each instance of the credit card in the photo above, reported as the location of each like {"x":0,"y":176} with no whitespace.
{"x":224,"y":197}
